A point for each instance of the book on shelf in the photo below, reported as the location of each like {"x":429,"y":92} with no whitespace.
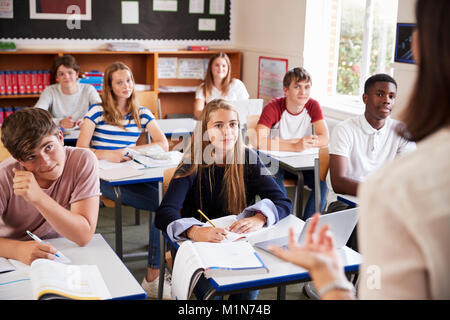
{"x":124,"y":46}
{"x":47,"y":280}
{"x":212,"y":259}
{"x":197,"y":48}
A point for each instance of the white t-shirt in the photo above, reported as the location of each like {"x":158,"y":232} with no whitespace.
{"x":367,"y":148}
{"x":62,"y":105}
{"x":236,"y":91}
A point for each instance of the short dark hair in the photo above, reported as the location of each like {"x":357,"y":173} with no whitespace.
{"x":297,"y":74}
{"x":381,"y":77}
{"x":23,"y":131}
{"x":67,"y":61}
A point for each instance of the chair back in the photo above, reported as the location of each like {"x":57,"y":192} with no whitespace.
{"x":252,"y":122}
{"x":324,"y":163}
{"x":149,"y":99}
{"x":167,"y":177}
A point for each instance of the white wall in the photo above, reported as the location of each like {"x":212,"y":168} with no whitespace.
{"x":268,"y":28}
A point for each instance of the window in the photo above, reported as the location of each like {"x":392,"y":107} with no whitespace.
{"x":355,"y":38}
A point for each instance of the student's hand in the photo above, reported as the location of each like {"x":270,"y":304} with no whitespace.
{"x":307,"y":142}
{"x":207,"y":234}
{"x":119,"y":155}
{"x":79,"y":123}
{"x":249,"y":224}
{"x":318,"y":256}
{"x":67,"y":123}
{"x":28,"y":251}
{"x":25,"y":185}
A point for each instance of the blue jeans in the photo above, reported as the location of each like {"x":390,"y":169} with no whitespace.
{"x":203,"y":286}
{"x":308,"y":177}
{"x":143,"y":196}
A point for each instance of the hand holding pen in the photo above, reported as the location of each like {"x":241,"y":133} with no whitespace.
{"x":207,"y":234}
{"x":45,"y":250}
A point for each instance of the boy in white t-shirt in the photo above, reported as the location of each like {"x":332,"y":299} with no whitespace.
{"x":362,"y":144}
{"x":286,"y":124}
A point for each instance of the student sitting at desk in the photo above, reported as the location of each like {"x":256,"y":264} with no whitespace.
{"x":221,"y":177}
{"x":404,"y":206}
{"x":218,"y":84}
{"x":286,"y":123}
{"x":68,"y":101}
{"x":111,"y":127}
{"x":360,"y":145}
{"x":46,"y":188}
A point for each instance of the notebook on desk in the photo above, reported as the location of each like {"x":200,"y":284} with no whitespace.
{"x":341,"y":225}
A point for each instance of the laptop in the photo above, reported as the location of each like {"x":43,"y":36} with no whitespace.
{"x":341,"y":225}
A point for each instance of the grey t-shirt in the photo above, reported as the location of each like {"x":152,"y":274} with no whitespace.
{"x":62,"y":105}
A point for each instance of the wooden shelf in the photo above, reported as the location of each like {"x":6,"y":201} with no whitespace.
{"x":144,"y":65}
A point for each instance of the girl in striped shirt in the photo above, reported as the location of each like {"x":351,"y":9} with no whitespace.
{"x":111,"y":127}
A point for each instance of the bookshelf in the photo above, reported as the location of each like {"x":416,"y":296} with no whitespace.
{"x":143,"y":64}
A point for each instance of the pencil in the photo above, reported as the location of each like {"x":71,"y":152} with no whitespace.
{"x":204,"y":215}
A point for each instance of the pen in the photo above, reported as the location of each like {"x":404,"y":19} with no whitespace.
{"x":137,"y":161}
{"x":204,"y":215}
{"x":36,"y":238}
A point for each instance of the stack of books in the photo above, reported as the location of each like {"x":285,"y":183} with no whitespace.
{"x":94,"y":78}
{"x":124,"y":46}
{"x":14,"y":82}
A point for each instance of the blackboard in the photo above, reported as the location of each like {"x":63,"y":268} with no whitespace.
{"x":106,"y":23}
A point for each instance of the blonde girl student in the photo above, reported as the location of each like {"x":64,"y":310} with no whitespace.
{"x":220,"y":176}
{"x":115,"y":125}
{"x":218,"y":84}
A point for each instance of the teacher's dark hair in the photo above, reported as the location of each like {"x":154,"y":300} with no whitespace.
{"x":428,"y":109}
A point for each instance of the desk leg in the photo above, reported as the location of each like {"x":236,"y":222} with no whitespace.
{"x":162,"y":255}
{"x":281,"y":293}
{"x":118,"y":222}
{"x":300,"y":186}
{"x":317,"y":183}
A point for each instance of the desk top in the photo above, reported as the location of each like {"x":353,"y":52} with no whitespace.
{"x":120,"y":282}
{"x":299,"y":161}
{"x":279,"y":270}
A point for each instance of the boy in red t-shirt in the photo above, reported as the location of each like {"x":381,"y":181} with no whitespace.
{"x":287,"y":123}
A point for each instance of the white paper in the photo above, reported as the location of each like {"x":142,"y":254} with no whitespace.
{"x":190,"y":68}
{"x":196,"y":6}
{"x":165,"y":5}
{"x":216,"y":6}
{"x":167,"y":68}
{"x":285,"y":154}
{"x":130,"y":12}
{"x":5,"y":265}
{"x":6,"y":9}
{"x":206,"y":24}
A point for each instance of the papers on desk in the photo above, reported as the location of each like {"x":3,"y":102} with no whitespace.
{"x":285,"y":154}
{"x":118,"y":172}
{"x":212,"y":259}
{"x":6,"y":265}
{"x":46,"y":279}
{"x":227,"y":221}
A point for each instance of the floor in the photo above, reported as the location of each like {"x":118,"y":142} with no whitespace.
{"x":136,"y":240}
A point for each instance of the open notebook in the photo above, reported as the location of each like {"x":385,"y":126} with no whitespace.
{"x":227,"y":221}
{"x":46,"y":279}
{"x":212,"y":259}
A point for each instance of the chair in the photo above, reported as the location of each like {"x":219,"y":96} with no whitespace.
{"x":150,"y":100}
{"x":3,"y":152}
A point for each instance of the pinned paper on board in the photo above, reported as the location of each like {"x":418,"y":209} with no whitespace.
{"x":196,"y":6}
{"x":130,"y":12}
{"x":165,"y":5}
{"x":206,"y":24}
{"x":216,"y":6}
{"x":270,"y":78}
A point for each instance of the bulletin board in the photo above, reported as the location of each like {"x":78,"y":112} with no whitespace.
{"x":271,"y":72}
{"x":118,"y":19}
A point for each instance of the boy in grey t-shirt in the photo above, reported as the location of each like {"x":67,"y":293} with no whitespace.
{"x":46,"y":188}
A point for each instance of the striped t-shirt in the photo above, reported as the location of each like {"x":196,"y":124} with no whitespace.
{"x":109,"y":137}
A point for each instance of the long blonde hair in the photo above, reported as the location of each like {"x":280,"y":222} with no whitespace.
{"x":109,"y":101}
{"x":233,"y":186}
{"x":209,"y":79}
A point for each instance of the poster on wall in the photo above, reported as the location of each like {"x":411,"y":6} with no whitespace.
{"x":60,"y":10}
{"x":270,"y":77}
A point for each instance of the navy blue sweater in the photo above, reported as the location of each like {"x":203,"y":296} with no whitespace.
{"x":182,"y":198}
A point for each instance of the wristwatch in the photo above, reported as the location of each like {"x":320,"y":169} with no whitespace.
{"x":337,"y":285}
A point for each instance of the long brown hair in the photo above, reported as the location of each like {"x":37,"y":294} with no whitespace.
{"x":109,"y":101}
{"x":209,"y":80}
{"x":428,"y":109}
{"x":233,"y":182}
